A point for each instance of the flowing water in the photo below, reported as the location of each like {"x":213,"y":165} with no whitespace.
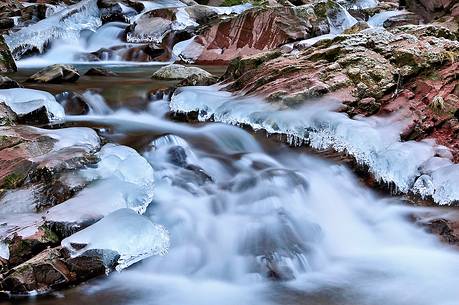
{"x":253,"y":221}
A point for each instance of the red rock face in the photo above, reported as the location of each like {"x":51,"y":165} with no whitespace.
{"x":431,"y":9}
{"x":250,"y":33}
{"x":432,"y":102}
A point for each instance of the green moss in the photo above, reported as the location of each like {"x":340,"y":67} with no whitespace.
{"x":237,"y":2}
{"x":49,"y":235}
{"x":13,"y":180}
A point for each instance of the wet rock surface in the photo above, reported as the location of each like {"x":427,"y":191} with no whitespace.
{"x":7,"y":63}
{"x":375,"y":71}
{"x":55,"y":74}
{"x":180,"y":72}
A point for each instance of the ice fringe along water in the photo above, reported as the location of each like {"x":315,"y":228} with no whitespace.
{"x":134,"y":237}
{"x":65,"y":24}
{"x":423,"y":168}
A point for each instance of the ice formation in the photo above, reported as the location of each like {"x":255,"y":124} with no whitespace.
{"x":121,"y":179}
{"x":373,"y":142}
{"x":23,"y":101}
{"x":339,"y":19}
{"x":64,"y":24}
{"x":74,"y":137}
{"x":133,"y":236}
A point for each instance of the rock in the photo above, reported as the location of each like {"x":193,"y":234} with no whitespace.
{"x":32,"y":106}
{"x":180,"y":72}
{"x":37,"y":155}
{"x":100,"y":72}
{"x":198,"y":80}
{"x":154,"y":25}
{"x":7,"y":83}
{"x":7,"y":116}
{"x":251,"y":32}
{"x":136,"y":238}
{"x":400,"y":20}
{"x":408,"y":69}
{"x":431,"y":9}
{"x":55,"y":74}
{"x":74,"y":104}
{"x":53,"y":269}
{"x":7,"y":63}
{"x":23,"y":248}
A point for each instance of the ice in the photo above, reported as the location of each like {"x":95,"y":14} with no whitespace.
{"x":359,"y":4}
{"x":158,"y":4}
{"x":339,"y":19}
{"x":121,"y":179}
{"x":74,"y":137}
{"x":373,"y":142}
{"x":378,"y":19}
{"x":64,"y":24}
{"x":183,"y":20}
{"x":4,"y":251}
{"x":133,"y":236}
{"x":23,"y":101}
{"x":235,"y":9}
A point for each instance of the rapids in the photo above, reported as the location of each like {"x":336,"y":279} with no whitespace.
{"x":252,"y":221}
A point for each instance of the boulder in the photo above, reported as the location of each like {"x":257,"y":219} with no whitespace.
{"x":7,"y":63}
{"x":7,"y":83}
{"x":254,"y":31}
{"x":432,"y":9}
{"x":55,"y":74}
{"x":100,"y":72}
{"x":408,"y":69}
{"x":53,"y":269}
{"x":32,"y":106}
{"x":73,"y":103}
{"x":180,"y":72}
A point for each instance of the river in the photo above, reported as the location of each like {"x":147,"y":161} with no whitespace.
{"x":253,"y":221}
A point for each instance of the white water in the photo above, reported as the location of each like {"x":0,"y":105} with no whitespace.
{"x":373,"y":142}
{"x":251,"y":226}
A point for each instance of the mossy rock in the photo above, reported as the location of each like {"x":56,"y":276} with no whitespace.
{"x":7,"y":63}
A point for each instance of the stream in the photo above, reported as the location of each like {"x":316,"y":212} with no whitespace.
{"x":253,"y":221}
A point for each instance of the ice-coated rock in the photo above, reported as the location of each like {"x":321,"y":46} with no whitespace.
{"x":131,"y":235}
{"x":25,"y":101}
{"x":121,"y":179}
{"x":373,"y":142}
{"x":64,"y":24}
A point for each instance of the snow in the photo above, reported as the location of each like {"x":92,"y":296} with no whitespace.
{"x":121,"y":179}
{"x":133,"y":236}
{"x":75,"y":137}
{"x":64,"y":24}
{"x":373,"y":142}
{"x":23,"y":101}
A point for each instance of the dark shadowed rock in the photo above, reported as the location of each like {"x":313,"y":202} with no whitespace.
{"x":7,"y":116}
{"x":55,"y":74}
{"x":7,"y":63}
{"x":73,"y":103}
{"x":100,"y":72}
{"x":7,"y":83}
{"x":53,"y":268}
